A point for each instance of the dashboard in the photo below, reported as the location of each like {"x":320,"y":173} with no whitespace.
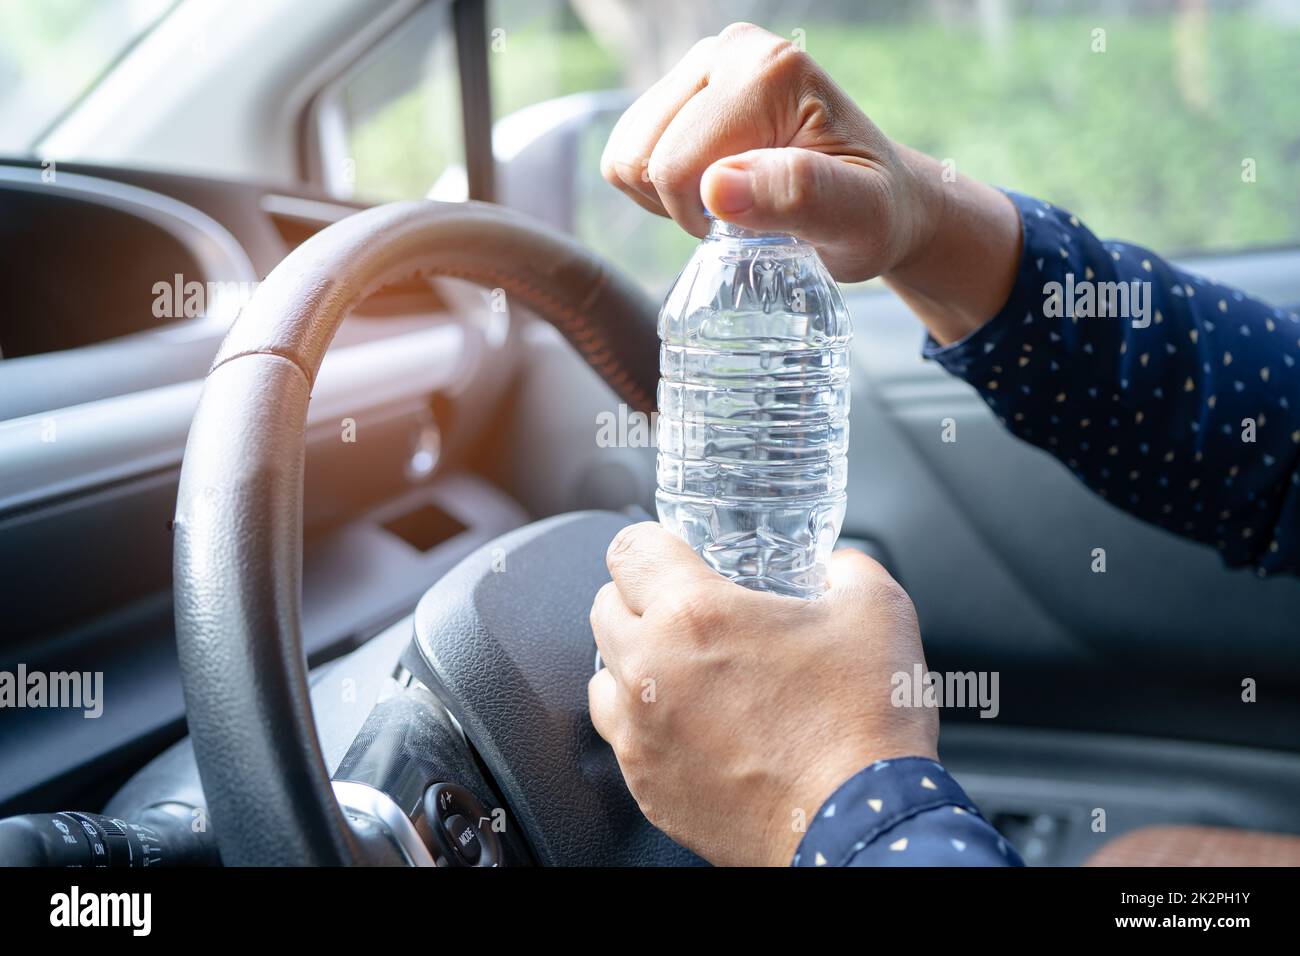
{"x":121,"y":285}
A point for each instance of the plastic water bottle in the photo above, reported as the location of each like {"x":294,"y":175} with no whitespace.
{"x":754,"y":409}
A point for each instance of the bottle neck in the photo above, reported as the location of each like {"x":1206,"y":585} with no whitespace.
{"x":720,"y":229}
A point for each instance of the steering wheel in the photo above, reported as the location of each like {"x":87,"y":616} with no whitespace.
{"x":238,"y":556}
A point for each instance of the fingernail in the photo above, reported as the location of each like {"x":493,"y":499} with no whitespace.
{"x":732,"y":192}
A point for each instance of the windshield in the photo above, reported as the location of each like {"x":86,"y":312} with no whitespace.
{"x":53,"y":51}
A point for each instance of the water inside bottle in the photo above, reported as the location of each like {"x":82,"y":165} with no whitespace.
{"x":753,"y":410}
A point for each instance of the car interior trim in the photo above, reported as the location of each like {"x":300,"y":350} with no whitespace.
{"x":130,"y":435}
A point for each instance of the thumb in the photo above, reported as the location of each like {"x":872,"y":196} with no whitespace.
{"x":819,"y":198}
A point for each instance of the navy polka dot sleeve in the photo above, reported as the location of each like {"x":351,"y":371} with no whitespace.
{"x":1172,"y":397}
{"x":902,"y":812}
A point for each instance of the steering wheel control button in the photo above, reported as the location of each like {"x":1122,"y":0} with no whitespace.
{"x":464,"y":838}
{"x":461,"y":826}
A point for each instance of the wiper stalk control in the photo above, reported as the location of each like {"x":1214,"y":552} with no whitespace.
{"x":165,"y":835}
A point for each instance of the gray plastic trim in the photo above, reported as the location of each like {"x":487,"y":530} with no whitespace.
{"x":364,"y":800}
{"x":72,"y":450}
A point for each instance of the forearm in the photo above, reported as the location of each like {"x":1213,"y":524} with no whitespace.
{"x":966,"y":250}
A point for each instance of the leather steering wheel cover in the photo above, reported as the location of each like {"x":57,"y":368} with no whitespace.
{"x":237,"y":563}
